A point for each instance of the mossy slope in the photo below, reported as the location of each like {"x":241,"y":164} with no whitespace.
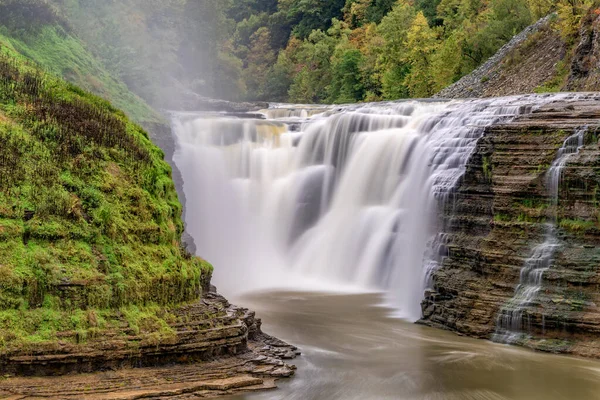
{"x":90,"y":223}
{"x":36,"y":29}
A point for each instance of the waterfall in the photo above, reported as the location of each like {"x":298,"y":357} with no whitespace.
{"x":510,"y":325}
{"x":338,"y":197}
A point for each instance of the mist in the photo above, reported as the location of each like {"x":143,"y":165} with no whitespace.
{"x":165,"y":51}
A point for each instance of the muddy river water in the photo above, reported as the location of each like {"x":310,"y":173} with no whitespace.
{"x":352,"y":349}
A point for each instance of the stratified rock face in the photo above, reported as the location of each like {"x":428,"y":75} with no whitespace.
{"x":498,"y":216}
{"x":204,"y":330}
{"x":217,"y":349}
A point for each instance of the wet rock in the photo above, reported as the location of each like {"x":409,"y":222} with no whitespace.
{"x":218,"y":349}
{"x":283,"y":372}
{"x":498,"y":216}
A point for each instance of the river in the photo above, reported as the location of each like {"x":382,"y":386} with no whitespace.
{"x":348,"y":199}
{"x":352,"y":349}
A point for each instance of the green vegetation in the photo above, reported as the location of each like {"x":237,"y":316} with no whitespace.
{"x":500,"y":217}
{"x":550,"y":345}
{"x":306,"y":51}
{"x":367,"y":50}
{"x":488,"y":168}
{"x":159,"y":48}
{"x":66,"y":56}
{"x":579,"y":225}
{"x":557,"y":82}
{"x":89,"y":218}
{"x":37,"y":30}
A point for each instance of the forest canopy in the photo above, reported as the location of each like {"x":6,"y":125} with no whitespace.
{"x":304,"y":51}
{"x":314,"y":51}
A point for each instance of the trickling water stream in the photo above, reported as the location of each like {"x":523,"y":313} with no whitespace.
{"x":330,"y":197}
{"x":510,"y":325}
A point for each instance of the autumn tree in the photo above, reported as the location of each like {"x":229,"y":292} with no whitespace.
{"x":570,"y":13}
{"x":394,"y":30}
{"x":421,"y":44}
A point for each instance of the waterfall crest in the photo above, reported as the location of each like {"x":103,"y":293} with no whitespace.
{"x":330,"y":197}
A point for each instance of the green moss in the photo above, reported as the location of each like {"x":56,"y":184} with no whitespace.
{"x":488,"y":169}
{"x":579,"y":225}
{"x":552,"y":345}
{"x":90,"y":223}
{"x":502,"y":217}
{"x":23,"y":328}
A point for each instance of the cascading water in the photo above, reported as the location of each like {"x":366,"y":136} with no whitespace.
{"x":329,"y":196}
{"x":510,"y":325}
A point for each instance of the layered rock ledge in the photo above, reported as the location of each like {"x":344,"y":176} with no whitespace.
{"x":498,"y":216}
{"x":216,"y":349}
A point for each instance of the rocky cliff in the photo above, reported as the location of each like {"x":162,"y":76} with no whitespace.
{"x":523,"y":65}
{"x":539,"y":59}
{"x":498,"y":216}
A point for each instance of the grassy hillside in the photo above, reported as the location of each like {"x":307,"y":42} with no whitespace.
{"x":66,"y":56}
{"x":90,"y":223}
{"x":37,"y":30}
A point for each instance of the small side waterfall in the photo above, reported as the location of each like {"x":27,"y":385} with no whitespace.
{"x":510,"y":325}
{"x":330,"y":197}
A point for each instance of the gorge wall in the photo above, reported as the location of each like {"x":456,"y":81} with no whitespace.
{"x":539,"y":59}
{"x":498,"y":215}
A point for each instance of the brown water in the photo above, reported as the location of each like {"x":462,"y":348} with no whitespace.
{"x":353,"y":350}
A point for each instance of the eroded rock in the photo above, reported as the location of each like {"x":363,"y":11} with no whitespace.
{"x":498,"y":216}
{"x":219,"y":349}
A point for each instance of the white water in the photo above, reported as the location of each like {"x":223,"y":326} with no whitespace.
{"x":330,"y":198}
{"x":511,"y":326}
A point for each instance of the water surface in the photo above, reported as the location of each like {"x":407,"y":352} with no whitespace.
{"x":353,"y":350}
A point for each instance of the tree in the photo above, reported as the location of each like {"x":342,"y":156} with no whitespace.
{"x":501,"y":21}
{"x":421,"y":44}
{"x":355,"y":12}
{"x":429,"y":8}
{"x":394,"y":29}
{"x":541,"y":8}
{"x":260,"y":61}
{"x":455,"y":12}
{"x":448,"y":63}
{"x":280,"y":79}
{"x":346,"y":85}
{"x":507,"y":18}
{"x":244,"y":9}
{"x":313,"y":76}
{"x":309,"y":15}
{"x":370,"y":43}
{"x":379,"y":9}
{"x":570,"y":13}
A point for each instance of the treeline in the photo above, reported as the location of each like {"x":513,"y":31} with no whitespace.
{"x":20,"y":16}
{"x":313,"y":51}
{"x":338,"y":51}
